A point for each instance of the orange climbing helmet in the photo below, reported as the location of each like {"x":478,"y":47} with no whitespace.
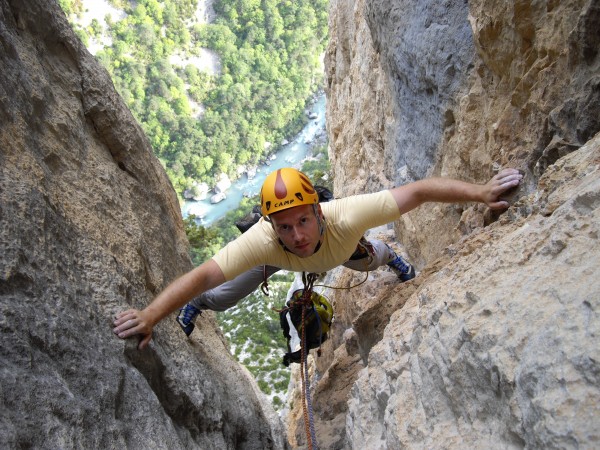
{"x":286,"y":188}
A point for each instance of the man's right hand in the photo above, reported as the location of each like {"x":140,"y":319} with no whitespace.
{"x":131,"y":323}
{"x":135,"y":322}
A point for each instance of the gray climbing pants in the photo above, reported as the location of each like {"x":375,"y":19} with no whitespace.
{"x":376,"y":253}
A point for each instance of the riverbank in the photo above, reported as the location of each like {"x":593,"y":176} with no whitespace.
{"x":291,"y":155}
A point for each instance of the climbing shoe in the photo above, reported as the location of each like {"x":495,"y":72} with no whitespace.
{"x":402,"y":268}
{"x":186,"y":318}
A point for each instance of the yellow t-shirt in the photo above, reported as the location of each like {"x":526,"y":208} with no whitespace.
{"x":346,"y":220}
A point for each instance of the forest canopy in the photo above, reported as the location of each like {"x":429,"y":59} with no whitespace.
{"x":201,"y":124}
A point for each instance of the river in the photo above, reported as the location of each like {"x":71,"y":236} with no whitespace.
{"x":290,"y":155}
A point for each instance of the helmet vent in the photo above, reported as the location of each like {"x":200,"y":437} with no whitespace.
{"x":280,"y":188}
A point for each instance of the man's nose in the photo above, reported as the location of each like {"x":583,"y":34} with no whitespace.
{"x":296,"y":234}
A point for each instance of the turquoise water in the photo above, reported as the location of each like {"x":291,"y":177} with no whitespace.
{"x":290,"y":155}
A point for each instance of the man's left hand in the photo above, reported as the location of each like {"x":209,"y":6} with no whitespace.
{"x":505,"y":180}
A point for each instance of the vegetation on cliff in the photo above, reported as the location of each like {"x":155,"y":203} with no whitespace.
{"x":202,"y":124}
{"x":256,"y":339}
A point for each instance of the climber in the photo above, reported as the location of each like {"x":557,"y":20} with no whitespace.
{"x":368,"y":256}
{"x":298,"y":233}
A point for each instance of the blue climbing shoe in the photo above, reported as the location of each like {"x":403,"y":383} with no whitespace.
{"x":186,"y":318}
{"x":402,"y":268}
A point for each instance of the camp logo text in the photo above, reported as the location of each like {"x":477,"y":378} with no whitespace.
{"x":285,"y":203}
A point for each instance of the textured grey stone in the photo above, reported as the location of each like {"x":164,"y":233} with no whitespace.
{"x":91,"y":226}
{"x":494,"y":344}
{"x":498,"y":350}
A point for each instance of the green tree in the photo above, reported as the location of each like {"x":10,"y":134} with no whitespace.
{"x":269,"y":61}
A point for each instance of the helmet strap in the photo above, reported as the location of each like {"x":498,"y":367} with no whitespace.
{"x":320,"y":221}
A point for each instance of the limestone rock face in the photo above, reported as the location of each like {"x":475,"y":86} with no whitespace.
{"x":456,"y":89}
{"x":498,"y":349}
{"x":91,"y":226}
{"x":381,"y":52}
{"x":494,"y":344}
{"x":358,"y":104}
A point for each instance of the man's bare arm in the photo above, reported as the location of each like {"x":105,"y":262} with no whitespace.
{"x":447,"y":190}
{"x":178,"y":293}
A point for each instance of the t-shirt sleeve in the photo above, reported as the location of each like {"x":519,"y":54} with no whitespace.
{"x":249,"y":250}
{"x":362,"y":212}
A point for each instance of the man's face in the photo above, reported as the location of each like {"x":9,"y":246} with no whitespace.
{"x":298,"y":229}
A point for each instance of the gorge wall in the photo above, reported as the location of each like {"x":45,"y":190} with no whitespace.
{"x":494,"y":344}
{"x":91,"y":226}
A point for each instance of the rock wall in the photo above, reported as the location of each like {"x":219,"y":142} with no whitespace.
{"x":91,"y":226}
{"x":456,"y":89}
{"x":493,"y":345}
{"x":498,"y":347}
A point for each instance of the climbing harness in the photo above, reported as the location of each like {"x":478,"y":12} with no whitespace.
{"x":305,"y":321}
{"x":363,"y":250}
{"x":318,"y":315}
